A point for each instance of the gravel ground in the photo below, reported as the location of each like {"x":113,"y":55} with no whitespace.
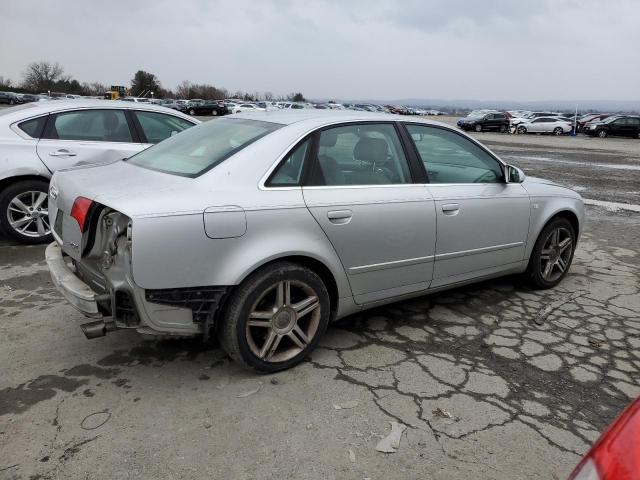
{"x":485,"y":391}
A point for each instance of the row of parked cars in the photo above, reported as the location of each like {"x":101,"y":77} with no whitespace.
{"x":517,"y":121}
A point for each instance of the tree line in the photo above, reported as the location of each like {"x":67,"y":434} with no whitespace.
{"x":42,"y":77}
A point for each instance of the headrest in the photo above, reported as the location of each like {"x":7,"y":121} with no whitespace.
{"x":372,"y":150}
{"x":328,"y":139}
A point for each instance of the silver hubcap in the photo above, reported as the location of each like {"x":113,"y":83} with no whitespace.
{"x":556,"y":254}
{"x":283,"y":321}
{"x":28,"y":214}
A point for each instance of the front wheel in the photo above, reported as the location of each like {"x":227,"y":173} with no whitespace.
{"x":214,"y":113}
{"x":602,"y":133}
{"x":25,"y":212}
{"x":192,"y":112}
{"x":478,"y":128}
{"x":552,"y":254}
{"x":275,"y":318}
{"x":558,"y":131}
{"x":522,"y":130}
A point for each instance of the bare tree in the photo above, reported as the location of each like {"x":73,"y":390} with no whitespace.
{"x":268,"y":96}
{"x":5,"y":82}
{"x":183,"y":90}
{"x":41,"y":76}
{"x":93,"y":88}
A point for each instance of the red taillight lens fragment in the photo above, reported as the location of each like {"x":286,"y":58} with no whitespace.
{"x":80,"y":210}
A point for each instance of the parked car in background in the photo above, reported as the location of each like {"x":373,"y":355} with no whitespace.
{"x":135,"y":99}
{"x":620,"y":126}
{"x":480,"y":122}
{"x":36,"y":139}
{"x":181,"y":107}
{"x":289,"y":222}
{"x":208,"y":108}
{"x":554,"y":125}
{"x":9,"y":98}
{"x":28,"y":97}
{"x":249,"y":107}
{"x":586,"y":119}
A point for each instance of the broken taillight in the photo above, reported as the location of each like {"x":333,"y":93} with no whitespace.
{"x":616,"y":454}
{"x":80,"y":210}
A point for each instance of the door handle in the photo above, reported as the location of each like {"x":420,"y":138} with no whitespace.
{"x":450,"y":208}
{"x":339,"y":216}
{"x":63,"y":152}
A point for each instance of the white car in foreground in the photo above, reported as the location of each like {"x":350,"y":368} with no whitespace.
{"x":36,"y":139}
{"x":552,"y":125}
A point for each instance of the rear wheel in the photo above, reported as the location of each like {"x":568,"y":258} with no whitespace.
{"x":25,"y":212}
{"x":503,"y":129}
{"x":214,"y":113}
{"x":558,"y":131}
{"x":275,"y":318}
{"x":552,"y":254}
{"x":602,"y":133}
{"x":478,"y":128}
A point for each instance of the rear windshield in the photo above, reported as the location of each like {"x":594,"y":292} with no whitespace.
{"x":198,"y":149}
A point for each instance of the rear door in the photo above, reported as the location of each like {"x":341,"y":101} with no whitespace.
{"x":483,"y":222}
{"x":381,"y":224}
{"x":87,"y":136}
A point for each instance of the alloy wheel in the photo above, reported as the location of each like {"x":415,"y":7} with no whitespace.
{"x":602,"y":133}
{"x":556,"y":254}
{"x":283,"y":321}
{"x":558,"y":131}
{"x":28,"y":214}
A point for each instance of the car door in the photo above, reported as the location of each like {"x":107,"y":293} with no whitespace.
{"x":536,"y":126}
{"x":482,"y":222}
{"x":80,"y":137}
{"x":155,"y":127}
{"x":381,"y":224}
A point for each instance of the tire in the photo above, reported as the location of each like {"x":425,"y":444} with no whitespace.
{"x":214,"y":113}
{"x":558,"y":131}
{"x":478,"y":128}
{"x":503,"y":129}
{"x":192,"y":112}
{"x":28,"y":225}
{"x":522,"y":130}
{"x":550,"y":249}
{"x":252,"y":345}
{"x":601,"y":133}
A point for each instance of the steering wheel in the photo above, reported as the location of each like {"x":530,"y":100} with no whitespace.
{"x":486,"y":177}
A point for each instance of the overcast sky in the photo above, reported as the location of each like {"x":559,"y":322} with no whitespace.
{"x":349,"y":49}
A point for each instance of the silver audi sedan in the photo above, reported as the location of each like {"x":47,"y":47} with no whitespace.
{"x":262,"y":228}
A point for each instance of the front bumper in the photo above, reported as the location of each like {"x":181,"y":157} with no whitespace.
{"x":74,"y":290}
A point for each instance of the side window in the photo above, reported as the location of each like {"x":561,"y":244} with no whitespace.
{"x":33,"y":127}
{"x":158,"y":126}
{"x":452,"y":158}
{"x":360,"y":154}
{"x":289,"y":172}
{"x":90,"y":126}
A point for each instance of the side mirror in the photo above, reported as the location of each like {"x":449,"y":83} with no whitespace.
{"x":514,"y":174}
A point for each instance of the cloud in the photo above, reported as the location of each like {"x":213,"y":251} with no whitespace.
{"x":498,"y":49}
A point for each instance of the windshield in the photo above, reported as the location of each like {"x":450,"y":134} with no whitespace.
{"x":609,"y":119}
{"x":201,"y":148}
{"x":476,"y":114}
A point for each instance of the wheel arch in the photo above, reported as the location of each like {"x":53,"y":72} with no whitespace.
{"x":7,"y":181}
{"x":315,"y":265}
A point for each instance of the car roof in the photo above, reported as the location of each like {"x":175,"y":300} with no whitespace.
{"x":316,"y":117}
{"x":29,"y":110}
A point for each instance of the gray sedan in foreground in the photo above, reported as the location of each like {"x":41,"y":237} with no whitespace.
{"x":262,"y":228}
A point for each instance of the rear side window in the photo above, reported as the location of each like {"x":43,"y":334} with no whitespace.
{"x":158,"y":126}
{"x":360,"y":154}
{"x":90,"y":126}
{"x":289,"y":172}
{"x":33,"y":127}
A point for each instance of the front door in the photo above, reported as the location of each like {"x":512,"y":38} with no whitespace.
{"x":381,"y":225}
{"x":86,"y":136}
{"x":482,"y":221}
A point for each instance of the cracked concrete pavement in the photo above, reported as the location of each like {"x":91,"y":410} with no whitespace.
{"x":493,"y":380}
